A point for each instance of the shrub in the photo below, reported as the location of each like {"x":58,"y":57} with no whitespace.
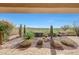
{"x":56,"y":44}
{"x":76,"y":28}
{"x":25,"y":44}
{"x":40,"y":42}
{"x":45,"y":35}
{"x":29,"y":35}
{"x":6,"y":27}
{"x":54,"y":34}
{"x":65,"y":27}
{"x":69,"y":42}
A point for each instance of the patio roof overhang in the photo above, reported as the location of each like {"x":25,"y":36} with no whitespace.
{"x":39,"y":8}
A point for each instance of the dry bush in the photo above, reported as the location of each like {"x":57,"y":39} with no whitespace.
{"x":40,"y":42}
{"x":69,"y":42}
{"x":25,"y":44}
{"x":56,"y":44}
{"x":15,"y":31}
{"x":45,"y":39}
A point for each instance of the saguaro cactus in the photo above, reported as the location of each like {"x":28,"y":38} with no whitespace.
{"x":20,"y":30}
{"x":51,"y":32}
{"x":24,"y":30}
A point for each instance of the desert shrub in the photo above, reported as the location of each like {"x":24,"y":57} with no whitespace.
{"x":56,"y":44}
{"x":69,"y":42}
{"x":76,"y":28}
{"x":71,"y":33}
{"x":45,"y":35}
{"x":6,"y":24}
{"x":25,"y":44}
{"x":65,"y":27}
{"x":40,"y":42}
{"x":27,"y":40}
{"x":6,"y":27}
{"x":14,"y":31}
{"x":55,"y":34}
{"x":29,"y":35}
{"x":2,"y":27}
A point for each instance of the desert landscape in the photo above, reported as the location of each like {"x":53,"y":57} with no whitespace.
{"x":25,"y":40}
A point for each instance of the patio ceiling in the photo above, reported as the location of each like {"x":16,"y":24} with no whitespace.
{"x":38,"y":8}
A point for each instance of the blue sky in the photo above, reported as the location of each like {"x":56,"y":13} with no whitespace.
{"x":41,"y":20}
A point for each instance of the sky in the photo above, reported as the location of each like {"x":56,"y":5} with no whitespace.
{"x":40,"y":20}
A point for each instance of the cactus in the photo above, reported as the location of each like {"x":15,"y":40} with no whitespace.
{"x":20,"y":30}
{"x":24,"y":32}
{"x":51,"y":32}
{"x":24,"y":29}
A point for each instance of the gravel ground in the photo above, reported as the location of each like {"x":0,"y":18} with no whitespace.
{"x":45,"y":50}
{"x":29,"y":51}
{"x":72,"y":51}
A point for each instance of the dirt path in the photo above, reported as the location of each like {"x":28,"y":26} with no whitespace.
{"x":12,"y":43}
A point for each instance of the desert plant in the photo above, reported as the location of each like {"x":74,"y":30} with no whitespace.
{"x":45,"y":35}
{"x":6,"y":27}
{"x":24,"y":32}
{"x":29,"y":35}
{"x":20,"y":30}
{"x":69,"y":42}
{"x":28,"y":39}
{"x":76,"y":29}
{"x":65,"y":27}
{"x":51,"y":32}
{"x":40,"y":42}
{"x":25,"y":44}
{"x":54,"y":34}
